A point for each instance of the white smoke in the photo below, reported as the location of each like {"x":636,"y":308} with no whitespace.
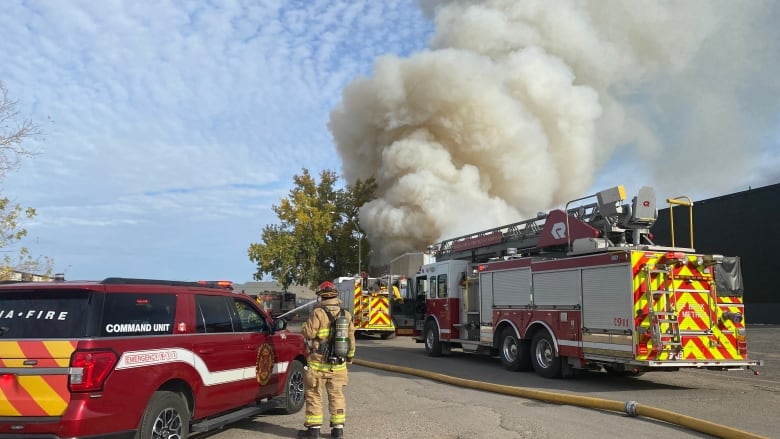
{"x":518,"y":104}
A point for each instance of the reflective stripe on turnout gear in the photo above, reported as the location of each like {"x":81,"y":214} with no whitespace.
{"x":338,"y":419}
{"x":326,"y":367}
{"x":313,"y":420}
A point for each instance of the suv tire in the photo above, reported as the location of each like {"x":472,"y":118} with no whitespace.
{"x":165,"y":416}
{"x":294,"y":389}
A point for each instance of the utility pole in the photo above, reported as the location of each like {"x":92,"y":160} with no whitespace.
{"x":360,"y":240}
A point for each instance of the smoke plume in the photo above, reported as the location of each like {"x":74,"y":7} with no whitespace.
{"x":517,"y":105}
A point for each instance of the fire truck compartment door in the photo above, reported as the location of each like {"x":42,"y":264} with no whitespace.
{"x":557,"y":288}
{"x":607,"y":298}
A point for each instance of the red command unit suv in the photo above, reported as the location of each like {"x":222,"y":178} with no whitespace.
{"x":139,"y":358}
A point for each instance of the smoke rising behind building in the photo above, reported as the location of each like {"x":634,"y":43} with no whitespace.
{"x":518,"y":106}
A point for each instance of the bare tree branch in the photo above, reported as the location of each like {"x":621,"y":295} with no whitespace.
{"x":12,"y":134}
{"x":13,"y":216}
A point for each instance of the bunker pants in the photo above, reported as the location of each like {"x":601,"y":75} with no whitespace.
{"x":318,"y":379}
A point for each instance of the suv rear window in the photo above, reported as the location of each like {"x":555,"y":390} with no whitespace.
{"x":43,"y":314}
{"x":138,"y":314}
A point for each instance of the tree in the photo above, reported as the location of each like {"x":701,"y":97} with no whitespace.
{"x":12,"y":134}
{"x":313,"y":240}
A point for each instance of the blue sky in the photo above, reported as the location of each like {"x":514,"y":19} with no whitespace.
{"x":172,"y":127}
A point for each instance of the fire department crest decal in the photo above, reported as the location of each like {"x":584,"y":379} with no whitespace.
{"x":265,"y":363}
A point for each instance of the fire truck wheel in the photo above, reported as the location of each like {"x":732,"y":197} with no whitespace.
{"x":543,"y":357}
{"x":513,"y":351}
{"x":294,"y":398}
{"x":432,"y":343}
{"x":166,"y":413}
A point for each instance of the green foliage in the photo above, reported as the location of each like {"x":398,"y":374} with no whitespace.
{"x":12,"y":215}
{"x":314,"y":239}
{"x":11,"y":232}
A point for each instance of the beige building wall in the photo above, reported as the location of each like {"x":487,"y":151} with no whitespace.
{"x":255,"y":288}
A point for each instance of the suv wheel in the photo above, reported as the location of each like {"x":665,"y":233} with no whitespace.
{"x":166,"y":417}
{"x":294,"y":398}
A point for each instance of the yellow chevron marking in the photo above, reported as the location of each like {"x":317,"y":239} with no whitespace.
{"x":44,"y":395}
{"x":10,"y":349}
{"x":6,"y":409}
{"x":61,"y":351}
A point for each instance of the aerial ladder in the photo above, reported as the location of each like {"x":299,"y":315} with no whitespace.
{"x":605,"y":221}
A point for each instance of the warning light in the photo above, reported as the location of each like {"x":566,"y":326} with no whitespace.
{"x":670,"y":258}
{"x":226,"y":284}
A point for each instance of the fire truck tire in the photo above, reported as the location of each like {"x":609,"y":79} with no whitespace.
{"x":545,"y":362}
{"x":514,"y":353}
{"x":294,"y":389}
{"x":432,"y":343}
{"x":166,"y":411}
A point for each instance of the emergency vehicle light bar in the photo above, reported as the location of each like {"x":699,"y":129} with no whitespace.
{"x":226,"y":284}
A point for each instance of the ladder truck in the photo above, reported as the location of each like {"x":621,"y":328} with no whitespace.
{"x":584,"y":288}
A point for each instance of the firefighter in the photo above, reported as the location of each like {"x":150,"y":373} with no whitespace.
{"x":397,"y":293}
{"x":324,"y":370}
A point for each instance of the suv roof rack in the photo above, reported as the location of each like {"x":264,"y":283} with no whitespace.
{"x":127,"y":280}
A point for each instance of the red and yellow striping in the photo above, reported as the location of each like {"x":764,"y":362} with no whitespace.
{"x":372,"y":310}
{"x":30,"y":394}
{"x":380,"y":312}
{"x":704,"y":333}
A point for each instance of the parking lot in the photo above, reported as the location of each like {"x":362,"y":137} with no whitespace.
{"x":389,"y":405}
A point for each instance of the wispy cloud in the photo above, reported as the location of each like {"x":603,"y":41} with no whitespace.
{"x":180,"y":123}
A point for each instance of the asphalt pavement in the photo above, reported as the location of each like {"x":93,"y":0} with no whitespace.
{"x":389,"y":405}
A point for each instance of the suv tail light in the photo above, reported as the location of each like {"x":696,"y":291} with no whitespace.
{"x":89,"y":369}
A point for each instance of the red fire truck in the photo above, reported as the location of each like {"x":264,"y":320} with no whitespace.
{"x":584,"y":288}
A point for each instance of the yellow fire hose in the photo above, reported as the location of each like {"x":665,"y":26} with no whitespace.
{"x":632,"y":408}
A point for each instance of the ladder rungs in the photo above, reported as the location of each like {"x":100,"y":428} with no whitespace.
{"x":660,"y":292}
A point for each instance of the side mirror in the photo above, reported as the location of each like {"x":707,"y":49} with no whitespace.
{"x":280,"y":325}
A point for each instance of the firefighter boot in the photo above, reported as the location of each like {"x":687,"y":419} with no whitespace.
{"x":337,"y":431}
{"x":309,"y":433}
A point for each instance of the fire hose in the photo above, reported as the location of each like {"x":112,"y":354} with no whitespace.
{"x":631,"y":408}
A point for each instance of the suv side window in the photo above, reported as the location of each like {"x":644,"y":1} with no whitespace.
{"x":213,"y":314}
{"x":249,"y":319}
{"x":137,"y":314}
